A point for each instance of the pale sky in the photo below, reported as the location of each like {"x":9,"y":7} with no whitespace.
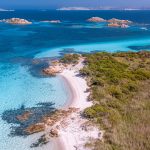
{"x":76,"y":3}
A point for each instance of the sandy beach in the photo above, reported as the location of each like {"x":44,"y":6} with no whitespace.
{"x":75,"y":135}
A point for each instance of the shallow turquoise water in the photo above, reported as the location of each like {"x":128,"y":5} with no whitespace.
{"x":18,"y":87}
{"x":112,"y":46}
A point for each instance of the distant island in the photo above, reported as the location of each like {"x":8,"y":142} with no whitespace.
{"x":74,"y":8}
{"x":103,"y":8}
{"x":17,"y":21}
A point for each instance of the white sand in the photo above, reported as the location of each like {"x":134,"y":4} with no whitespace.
{"x":74,"y":135}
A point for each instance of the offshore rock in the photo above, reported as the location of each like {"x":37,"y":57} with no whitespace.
{"x":118,"y":21}
{"x":52,"y":70}
{"x":16,"y":21}
{"x":25,"y":116}
{"x":35,"y":128}
{"x":96,"y":19}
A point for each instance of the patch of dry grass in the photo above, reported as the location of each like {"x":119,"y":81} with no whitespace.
{"x":120,"y":90}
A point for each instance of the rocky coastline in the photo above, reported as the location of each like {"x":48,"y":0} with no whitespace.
{"x":66,"y":125}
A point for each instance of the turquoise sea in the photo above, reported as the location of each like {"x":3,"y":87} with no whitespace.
{"x":25,"y":50}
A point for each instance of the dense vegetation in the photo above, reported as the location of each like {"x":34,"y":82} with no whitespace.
{"x":70,"y":58}
{"x":120,"y":91}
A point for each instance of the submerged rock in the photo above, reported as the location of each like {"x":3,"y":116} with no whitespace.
{"x":25,"y":116}
{"x":113,"y":25}
{"x":16,"y":21}
{"x":35,"y":128}
{"x":41,"y":141}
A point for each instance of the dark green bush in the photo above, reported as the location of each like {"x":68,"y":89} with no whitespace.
{"x":70,"y":58}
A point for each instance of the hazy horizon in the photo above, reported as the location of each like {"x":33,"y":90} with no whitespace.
{"x":47,"y":4}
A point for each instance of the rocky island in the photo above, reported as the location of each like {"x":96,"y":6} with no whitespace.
{"x":17,"y":21}
{"x":112,"y":22}
{"x":119,"y":23}
{"x":96,"y":19}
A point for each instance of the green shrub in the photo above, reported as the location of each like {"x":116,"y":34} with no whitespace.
{"x":115,"y":92}
{"x":70,"y":58}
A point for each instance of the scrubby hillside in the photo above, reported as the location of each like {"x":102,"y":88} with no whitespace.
{"x":120,"y":90}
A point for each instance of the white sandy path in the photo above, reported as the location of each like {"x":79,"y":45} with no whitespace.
{"x":78,"y":86}
{"x":78,"y":89}
{"x":70,"y":137}
{"x":74,"y":137}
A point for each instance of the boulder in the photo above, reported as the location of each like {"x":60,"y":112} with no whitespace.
{"x":96,"y":19}
{"x":52,"y":70}
{"x":113,"y":25}
{"x":124,"y":26}
{"x":16,"y":21}
{"x":118,"y":21}
{"x":52,"y":21}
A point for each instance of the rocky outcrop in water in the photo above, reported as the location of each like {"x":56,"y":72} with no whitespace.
{"x":35,"y":128}
{"x":112,"y":22}
{"x":41,"y":141}
{"x":25,"y":116}
{"x":119,"y":23}
{"x":96,"y":19}
{"x":52,"y":70}
{"x":18,"y":21}
{"x":26,"y":121}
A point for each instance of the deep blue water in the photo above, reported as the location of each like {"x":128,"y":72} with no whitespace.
{"x":24,"y":51}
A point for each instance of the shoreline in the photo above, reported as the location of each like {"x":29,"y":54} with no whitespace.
{"x":73,"y":136}
{"x":70,"y":78}
{"x":77,"y":87}
{"x":71,"y":130}
{"x":70,"y":90}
